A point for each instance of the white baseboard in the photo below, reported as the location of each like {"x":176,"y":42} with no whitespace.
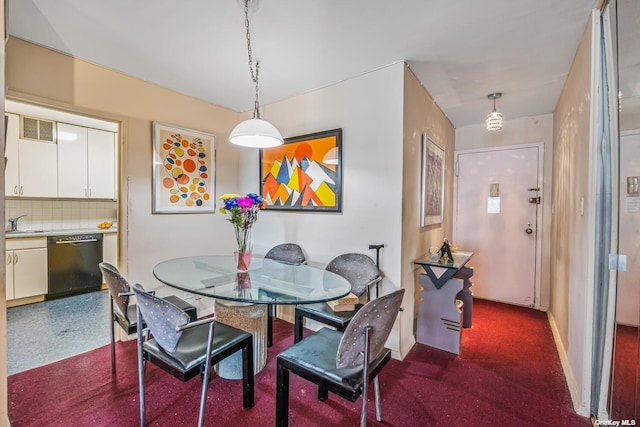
{"x":574,"y":390}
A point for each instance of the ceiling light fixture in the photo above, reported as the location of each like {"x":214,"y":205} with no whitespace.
{"x":254,"y":132}
{"x":494,"y":118}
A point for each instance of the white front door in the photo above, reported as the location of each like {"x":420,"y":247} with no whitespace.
{"x":496,"y":217}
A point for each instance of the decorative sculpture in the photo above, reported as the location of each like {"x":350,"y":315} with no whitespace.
{"x":445,"y":252}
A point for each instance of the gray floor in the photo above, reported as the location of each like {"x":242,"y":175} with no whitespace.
{"x":44,"y":332}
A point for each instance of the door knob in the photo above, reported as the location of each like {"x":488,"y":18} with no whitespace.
{"x":528,"y":230}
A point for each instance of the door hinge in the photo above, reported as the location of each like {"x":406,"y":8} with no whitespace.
{"x":535,"y":200}
{"x":617,"y":262}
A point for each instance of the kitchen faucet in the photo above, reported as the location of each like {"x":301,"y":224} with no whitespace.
{"x":14,"y":222}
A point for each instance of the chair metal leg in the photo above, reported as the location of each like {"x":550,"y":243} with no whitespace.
{"x":297,"y":328}
{"x":376,"y":390}
{"x":112,"y":335}
{"x":365,"y":377}
{"x":248,"y":394}
{"x":141,"y":365}
{"x":271,"y":309}
{"x":207,"y":374}
{"x":323,"y":393}
{"x":282,"y":397}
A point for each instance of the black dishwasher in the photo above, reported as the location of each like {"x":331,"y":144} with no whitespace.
{"x":73,"y":264}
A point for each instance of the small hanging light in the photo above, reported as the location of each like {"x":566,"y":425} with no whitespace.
{"x":254,"y":132}
{"x":494,"y":118}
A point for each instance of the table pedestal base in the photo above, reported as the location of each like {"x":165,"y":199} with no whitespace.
{"x":250,"y":318}
{"x":439,"y":319}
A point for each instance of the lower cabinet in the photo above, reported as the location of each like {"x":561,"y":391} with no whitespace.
{"x":26,"y":267}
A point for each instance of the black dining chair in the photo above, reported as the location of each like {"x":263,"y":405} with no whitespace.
{"x":361,"y":272}
{"x":124,"y":313}
{"x":290,"y":253}
{"x":342,"y":363}
{"x":187,"y":349}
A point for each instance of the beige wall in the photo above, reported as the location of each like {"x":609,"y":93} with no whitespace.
{"x":571,"y":229}
{"x":368,"y":108}
{"x":421,"y":115}
{"x":523,"y":130}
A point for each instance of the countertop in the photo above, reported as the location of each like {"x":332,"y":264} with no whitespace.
{"x":21,"y":234}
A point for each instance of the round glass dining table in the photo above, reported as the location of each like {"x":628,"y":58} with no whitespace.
{"x":266,"y":282}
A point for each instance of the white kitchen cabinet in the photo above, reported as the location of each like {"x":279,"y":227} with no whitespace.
{"x":32,"y":166}
{"x":11,"y":176}
{"x":26,"y":274}
{"x":86,"y":162}
{"x":101,"y":164}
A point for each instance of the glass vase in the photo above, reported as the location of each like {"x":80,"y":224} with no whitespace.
{"x":244,"y":247}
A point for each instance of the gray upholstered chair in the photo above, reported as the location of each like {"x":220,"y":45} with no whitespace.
{"x":187,"y":349}
{"x":342,"y":363}
{"x":122,"y":312}
{"x":290,"y":253}
{"x":361,"y":272}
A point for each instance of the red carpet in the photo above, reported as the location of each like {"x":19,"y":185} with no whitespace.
{"x":625,"y":370}
{"x":509,"y":374}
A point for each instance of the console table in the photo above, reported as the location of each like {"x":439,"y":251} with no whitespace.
{"x":439,"y":323}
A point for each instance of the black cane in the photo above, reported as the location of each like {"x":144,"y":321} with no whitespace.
{"x":377,"y":248}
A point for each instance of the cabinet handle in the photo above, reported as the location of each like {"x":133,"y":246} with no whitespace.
{"x":15,"y":190}
{"x":8,"y":259}
{"x":15,"y":258}
{"x":21,"y":190}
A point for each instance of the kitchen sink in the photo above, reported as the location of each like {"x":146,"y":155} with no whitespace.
{"x":24,"y":231}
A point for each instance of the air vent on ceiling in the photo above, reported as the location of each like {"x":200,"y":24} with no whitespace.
{"x":37,"y":129}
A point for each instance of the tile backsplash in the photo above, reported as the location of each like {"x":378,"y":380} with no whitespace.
{"x":60,"y":214}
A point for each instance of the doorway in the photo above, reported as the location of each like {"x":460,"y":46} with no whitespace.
{"x":497,"y":196}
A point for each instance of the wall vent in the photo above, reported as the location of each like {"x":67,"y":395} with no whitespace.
{"x":37,"y":129}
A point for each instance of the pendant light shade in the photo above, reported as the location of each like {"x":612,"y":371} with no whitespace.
{"x":256,"y":133}
{"x":494,"y":118}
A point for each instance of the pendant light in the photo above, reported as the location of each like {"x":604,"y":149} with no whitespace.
{"x":494,"y":118}
{"x":254,"y":132}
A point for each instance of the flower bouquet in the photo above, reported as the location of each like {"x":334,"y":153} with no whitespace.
{"x":243,"y":213}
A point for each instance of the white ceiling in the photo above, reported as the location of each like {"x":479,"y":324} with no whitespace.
{"x":461,"y":50}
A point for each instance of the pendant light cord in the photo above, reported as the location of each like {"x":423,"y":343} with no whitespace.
{"x":254,"y":75}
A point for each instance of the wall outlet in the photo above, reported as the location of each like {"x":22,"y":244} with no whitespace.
{"x":187,"y":295}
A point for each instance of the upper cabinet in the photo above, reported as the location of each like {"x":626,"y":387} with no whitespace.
{"x":86,"y":162}
{"x":31,"y":165}
{"x":53,"y":159}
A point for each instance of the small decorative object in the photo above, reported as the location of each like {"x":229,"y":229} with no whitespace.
{"x":243,"y":212}
{"x":445,"y":252}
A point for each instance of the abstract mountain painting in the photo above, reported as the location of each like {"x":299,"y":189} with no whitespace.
{"x":304,"y":174}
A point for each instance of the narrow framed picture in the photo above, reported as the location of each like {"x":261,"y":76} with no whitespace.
{"x":432,"y":186}
{"x":183,"y":170}
{"x":304,"y":174}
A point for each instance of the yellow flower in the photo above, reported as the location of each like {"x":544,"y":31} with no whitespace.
{"x":229,"y":196}
{"x":222,"y":210}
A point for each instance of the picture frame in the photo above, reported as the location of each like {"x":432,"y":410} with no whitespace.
{"x":432,"y":183}
{"x":312,"y":180}
{"x":183,"y":170}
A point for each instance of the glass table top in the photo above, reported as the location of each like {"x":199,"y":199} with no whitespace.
{"x":266,"y":281}
{"x":459,"y":260}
